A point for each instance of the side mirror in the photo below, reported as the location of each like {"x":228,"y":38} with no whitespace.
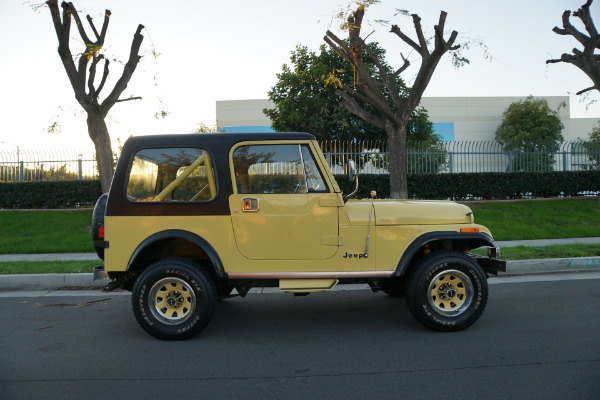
{"x":351,"y":174}
{"x":350,"y":170}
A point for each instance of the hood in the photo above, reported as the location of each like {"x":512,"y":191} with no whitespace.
{"x":408,"y":212}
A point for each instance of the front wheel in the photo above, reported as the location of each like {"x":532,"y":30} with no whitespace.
{"x":447,"y":291}
{"x":174,"y":299}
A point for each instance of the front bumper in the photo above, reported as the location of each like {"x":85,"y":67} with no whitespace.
{"x":490,"y":265}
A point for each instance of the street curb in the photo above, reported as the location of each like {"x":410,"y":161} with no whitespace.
{"x":33,"y":282}
{"x":48,"y":281}
{"x":551,"y":265}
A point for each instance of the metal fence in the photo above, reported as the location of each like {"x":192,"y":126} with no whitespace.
{"x":465,"y":156}
{"x":47,"y":165}
{"x":371,"y":158}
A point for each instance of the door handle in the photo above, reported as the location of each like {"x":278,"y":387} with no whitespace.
{"x":250,"y":204}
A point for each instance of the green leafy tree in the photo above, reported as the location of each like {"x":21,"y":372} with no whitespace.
{"x":204,"y":128}
{"x":531,"y":133}
{"x":305,"y":100}
{"x":592,"y":146}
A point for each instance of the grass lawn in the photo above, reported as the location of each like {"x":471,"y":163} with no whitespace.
{"x":47,"y":267}
{"x":539,"y":219}
{"x":28,"y":232}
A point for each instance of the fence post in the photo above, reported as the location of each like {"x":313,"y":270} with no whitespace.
{"x":564,"y":160}
{"x":80,"y":166}
{"x":510,"y":162}
{"x":451,"y":162}
{"x":21,"y":170}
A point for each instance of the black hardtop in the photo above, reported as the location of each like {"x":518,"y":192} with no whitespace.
{"x":216,"y":142}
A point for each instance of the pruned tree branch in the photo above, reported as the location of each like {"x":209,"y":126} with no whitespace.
{"x":337,"y":45}
{"x":395,"y":29}
{"x":128,"y":71}
{"x":107,"y":15}
{"x":586,"y":90}
{"x":389,"y":80}
{"x":370,"y":91}
{"x":584,"y":13}
{"x":104,"y":77}
{"x":587,"y":61}
{"x":403,"y":67}
{"x":69,"y":6}
{"x":63,"y":28}
{"x":352,"y":105}
{"x":91,"y":89}
{"x":90,"y":58}
{"x":93,"y":27}
{"x":129,"y":99}
{"x":419,"y":31}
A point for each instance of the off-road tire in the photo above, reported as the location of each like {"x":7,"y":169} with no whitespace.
{"x":174,"y":299}
{"x":446,"y":291}
{"x":98,"y":221}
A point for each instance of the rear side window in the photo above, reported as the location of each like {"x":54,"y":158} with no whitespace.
{"x":171,"y":174}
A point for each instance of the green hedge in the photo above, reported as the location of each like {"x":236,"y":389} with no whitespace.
{"x":491,"y":185}
{"x":49,"y":194}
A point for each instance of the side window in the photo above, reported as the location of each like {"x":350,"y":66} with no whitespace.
{"x":314,"y":179}
{"x":281,"y":168}
{"x":171,"y":174}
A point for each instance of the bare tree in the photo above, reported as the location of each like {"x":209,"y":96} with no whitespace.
{"x":83,"y":84}
{"x":392,"y":118}
{"x":587,"y":60}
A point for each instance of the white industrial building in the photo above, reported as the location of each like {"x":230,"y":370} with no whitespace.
{"x":454,"y":118}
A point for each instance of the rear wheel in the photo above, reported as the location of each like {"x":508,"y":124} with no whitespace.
{"x":447,"y":291}
{"x":174,"y":299}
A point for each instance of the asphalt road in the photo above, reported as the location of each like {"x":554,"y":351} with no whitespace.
{"x":536,"y":340}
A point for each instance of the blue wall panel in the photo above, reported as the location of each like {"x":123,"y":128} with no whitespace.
{"x":445,"y":130}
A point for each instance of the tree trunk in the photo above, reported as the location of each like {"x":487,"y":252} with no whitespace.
{"x":397,"y":166}
{"x":104,"y":158}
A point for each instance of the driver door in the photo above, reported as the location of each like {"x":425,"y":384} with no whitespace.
{"x":281,"y":208}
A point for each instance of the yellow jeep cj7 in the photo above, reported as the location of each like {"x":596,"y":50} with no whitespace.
{"x":190,"y":218}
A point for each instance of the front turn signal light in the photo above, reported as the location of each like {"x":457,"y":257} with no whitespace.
{"x":469,"y":230}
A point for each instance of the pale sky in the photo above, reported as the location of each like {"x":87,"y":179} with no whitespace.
{"x":232,"y":50}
